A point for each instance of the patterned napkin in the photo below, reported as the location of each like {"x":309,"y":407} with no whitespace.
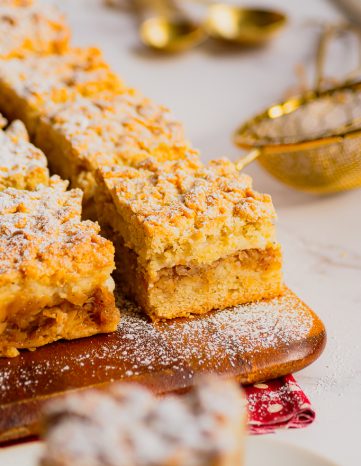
{"x":278,"y":404}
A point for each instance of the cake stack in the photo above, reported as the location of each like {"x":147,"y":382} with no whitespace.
{"x":189,"y":237}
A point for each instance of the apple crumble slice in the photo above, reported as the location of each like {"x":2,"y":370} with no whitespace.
{"x":189,"y":238}
{"x":55,"y":270}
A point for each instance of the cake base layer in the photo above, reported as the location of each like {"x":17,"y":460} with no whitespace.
{"x":249,"y":275}
{"x":64,"y":321}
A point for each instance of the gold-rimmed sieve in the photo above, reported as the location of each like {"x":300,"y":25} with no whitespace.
{"x":311,"y":142}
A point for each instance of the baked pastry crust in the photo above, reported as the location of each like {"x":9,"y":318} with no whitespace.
{"x":31,"y":27}
{"x":128,"y":425}
{"x":22,"y":165}
{"x":54,"y":269}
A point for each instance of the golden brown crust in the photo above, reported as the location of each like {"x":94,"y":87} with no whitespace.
{"x":82,"y":116}
{"x":31,"y":27}
{"x":41,"y":235}
{"x":125,"y":127}
{"x":36,"y":225}
{"x":30,"y":85}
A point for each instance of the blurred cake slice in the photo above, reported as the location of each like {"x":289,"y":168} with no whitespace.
{"x":54,"y":270}
{"x":189,"y":238}
{"x":28,"y":26}
{"x":22,"y":165}
{"x":127,"y":425}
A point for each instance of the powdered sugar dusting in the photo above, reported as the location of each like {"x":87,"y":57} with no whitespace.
{"x":32,"y":222}
{"x":257,"y":325}
{"x":186,"y":194}
{"x":28,"y":26}
{"x":57,"y":77}
{"x":19,"y":158}
{"x":115,"y":128}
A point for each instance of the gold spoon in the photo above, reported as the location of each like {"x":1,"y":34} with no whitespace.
{"x":167,"y":28}
{"x":246,"y":26}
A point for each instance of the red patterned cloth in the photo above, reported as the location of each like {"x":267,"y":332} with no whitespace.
{"x":277,"y":404}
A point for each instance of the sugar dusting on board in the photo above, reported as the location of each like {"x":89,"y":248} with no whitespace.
{"x":219,"y":341}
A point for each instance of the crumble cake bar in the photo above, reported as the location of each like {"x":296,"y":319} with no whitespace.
{"x":189,"y":238}
{"x":127,"y":425}
{"x":22,"y":166}
{"x":54,"y":270}
{"x":82,"y":135}
{"x":27,"y":26}
{"x":30,"y":84}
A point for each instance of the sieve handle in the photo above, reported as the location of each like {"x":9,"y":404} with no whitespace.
{"x":329,"y":33}
{"x":247,"y":159}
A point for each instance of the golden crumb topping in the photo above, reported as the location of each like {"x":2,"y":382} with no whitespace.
{"x":19,"y":158}
{"x":41,"y":226}
{"x":184,"y":192}
{"x":106,"y":123}
{"x":30,"y":27}
{"x":57,"y":77}
{"x":121,"y":128}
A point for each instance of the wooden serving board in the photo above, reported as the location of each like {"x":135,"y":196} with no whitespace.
{"x":252,"y":342}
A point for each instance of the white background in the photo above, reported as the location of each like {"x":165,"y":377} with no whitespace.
{"x":212,"y":92}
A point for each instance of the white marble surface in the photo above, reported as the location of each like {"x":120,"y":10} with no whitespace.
{"x":212,"y":93}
